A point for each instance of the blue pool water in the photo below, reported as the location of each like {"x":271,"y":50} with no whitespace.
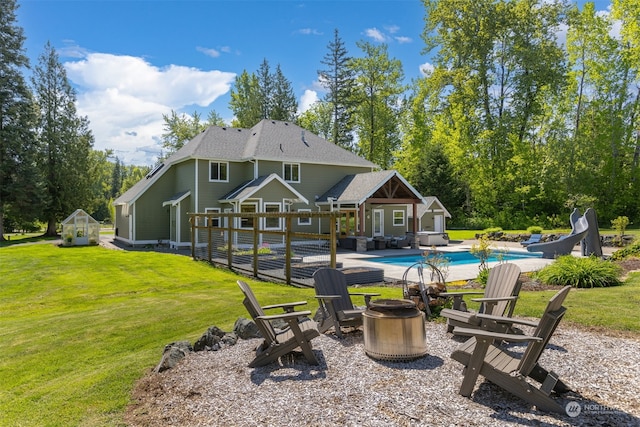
{"x":455,"y":258}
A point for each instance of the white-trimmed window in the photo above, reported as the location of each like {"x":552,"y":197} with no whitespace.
{"x":215,"y":220}
{"x":398,"y":218}
{"x":248,"y":208}
{"x":218,"y":171}
{"x":291,"y":172}
{"x":302,"y":220}
{"x":272,"y":223}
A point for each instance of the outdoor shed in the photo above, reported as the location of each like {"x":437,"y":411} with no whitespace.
{"x":80,"y":229}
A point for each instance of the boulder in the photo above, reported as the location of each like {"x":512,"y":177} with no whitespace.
{"x":173,"y":353}
{"x":246,"y":329}
{"x":210,"y":340}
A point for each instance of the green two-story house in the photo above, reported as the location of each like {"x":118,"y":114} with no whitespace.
{"x":273,"y":167}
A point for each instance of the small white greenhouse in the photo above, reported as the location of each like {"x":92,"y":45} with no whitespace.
{"x":80,"y":229}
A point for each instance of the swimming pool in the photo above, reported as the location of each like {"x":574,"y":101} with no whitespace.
{"x":455,"y":258}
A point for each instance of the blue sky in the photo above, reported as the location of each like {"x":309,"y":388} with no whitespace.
{"x":132,"y":61}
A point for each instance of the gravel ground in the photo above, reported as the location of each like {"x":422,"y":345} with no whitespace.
{"x":349,"y":388}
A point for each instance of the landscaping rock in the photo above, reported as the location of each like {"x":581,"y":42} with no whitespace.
{"x":246,"y":329}
{"x":210,"y":340}
{"x":172,"y":354}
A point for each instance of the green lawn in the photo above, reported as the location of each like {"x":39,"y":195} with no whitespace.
{"x":80,"y":325}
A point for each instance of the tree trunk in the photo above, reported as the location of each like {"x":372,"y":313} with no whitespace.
{"x":2,"y":239}
{"x":51,"y":228}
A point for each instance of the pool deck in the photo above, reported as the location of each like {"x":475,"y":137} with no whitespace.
{"x":457,"y":272}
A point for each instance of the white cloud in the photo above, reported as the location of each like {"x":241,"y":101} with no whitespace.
{"x":403,"y":40}
{"x":375,"y":34}
{"x":307,"y":99}
{"x":208,"y":51}
{"x":124,"y":98}
{"x":309,"y":32}
{"x":392,"y":29}
{"x":426,"y":69}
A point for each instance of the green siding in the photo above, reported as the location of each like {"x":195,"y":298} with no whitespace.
{"x":211,"y":192}
{"x":152,"y":219}
{"x":122,"y":223}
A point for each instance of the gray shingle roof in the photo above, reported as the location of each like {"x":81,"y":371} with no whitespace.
{"x":268,"y":140}
{"x":249,"y":188}
{"x":358,"y":187}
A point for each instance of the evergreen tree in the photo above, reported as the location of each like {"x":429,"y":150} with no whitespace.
{"x":284,"y":105}
{"x":263,"y":96}
{"x":65,"y":142}
{"x":116,"y":178}
{"x":339,"y":81}
{"x":19,"y":184}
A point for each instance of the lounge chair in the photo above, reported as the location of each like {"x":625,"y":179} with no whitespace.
{"x":534,"y":238}
{"x":336,"y":308}
{"x":299,"y":333}
{"x":481,"y":356}
{"x":499,"y":298}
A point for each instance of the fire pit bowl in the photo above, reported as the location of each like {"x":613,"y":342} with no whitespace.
{"x":394,"y":330}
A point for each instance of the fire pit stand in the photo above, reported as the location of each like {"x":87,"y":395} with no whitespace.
{"x":394,"y":330}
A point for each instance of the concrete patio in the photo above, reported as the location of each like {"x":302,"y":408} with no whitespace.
{"x":456,"y":272}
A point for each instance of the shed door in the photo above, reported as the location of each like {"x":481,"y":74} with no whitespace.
{"x":438,"y":223}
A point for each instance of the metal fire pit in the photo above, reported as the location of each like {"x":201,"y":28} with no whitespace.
{"x":394,"y":330}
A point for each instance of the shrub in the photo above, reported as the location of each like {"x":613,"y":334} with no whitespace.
{"x":620,"y":225}
{"x":483,"y":277}
{"x":492,"y":230}
{"x":482,"y":251}
{"x":632,"y":250}
{"x":577,"y":272}
{"x":534,"y":229}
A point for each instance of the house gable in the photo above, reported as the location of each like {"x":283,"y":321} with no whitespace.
{"x":271,"y":184}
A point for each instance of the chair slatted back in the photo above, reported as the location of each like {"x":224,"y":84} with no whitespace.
{"x":251,"y":304}
{"x":502,"y":282}
{"x":329,"y":281}
{"x":547,"y":325}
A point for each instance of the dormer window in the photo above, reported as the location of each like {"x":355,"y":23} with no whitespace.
{"x":218,"y":171}
{"x":291,"y":172}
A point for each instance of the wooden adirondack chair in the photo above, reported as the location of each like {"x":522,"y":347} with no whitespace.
{"x":499,"y":298}
{"x":481,"y":357}
{"x":300,"y":332}
{"x":336,"y":307}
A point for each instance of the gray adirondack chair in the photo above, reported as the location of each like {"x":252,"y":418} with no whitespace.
{"x":481,"y":356}
{"x":499,"y":298}
{"x":301,"y":329}
{"x":336,"y":308}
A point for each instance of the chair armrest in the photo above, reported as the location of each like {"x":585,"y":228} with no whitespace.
{"x":367,"y":297}
{"x":459,"y":294}
{"x":498,"y":299}
{"x":328,"y":297}
{"x":285,"y":316}
{"x":494,"y":335}
{"x":287,"y":307}
{"x":364,"y":294}
{"x":511,"y":320}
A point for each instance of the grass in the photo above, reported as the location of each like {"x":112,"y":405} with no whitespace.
{"x":80,"y":325}
{"x":471,"y":234}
